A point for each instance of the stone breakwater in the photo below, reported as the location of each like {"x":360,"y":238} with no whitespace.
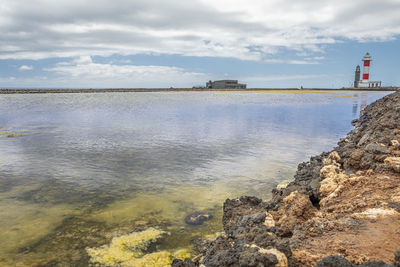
{"x":342,"y":209}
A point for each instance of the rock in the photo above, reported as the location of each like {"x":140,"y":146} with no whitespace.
{"x":396,"y":262}
{"x":393,"y":163}
{"x":281,"y":257}
{"x":334,"y":261}
{"x":183,"y":263}
{"x":330,"y":194}
{"x":395,"y":144}
{"x":269,"y":220}
{"x":236,"y":208}
{"x":376,"y":148}
{"x":197,"y":218}
{"x":364,"y":139}
{"x":252,"y":257}
{"x":357,"y":154}
{"x":375,"y":264}
{"x":249,"y":220}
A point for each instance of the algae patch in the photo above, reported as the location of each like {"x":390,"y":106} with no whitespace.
{"x":130,"y":250}
{"x":13,"y":135}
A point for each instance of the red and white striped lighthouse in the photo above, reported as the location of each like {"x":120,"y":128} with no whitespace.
{"x":367,"y":62}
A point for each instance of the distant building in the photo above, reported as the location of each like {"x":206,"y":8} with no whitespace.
{"x":365,"y":82}
{"x":225,"y":84}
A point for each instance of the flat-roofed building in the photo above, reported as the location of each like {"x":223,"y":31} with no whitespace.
{"x":225,"y":84}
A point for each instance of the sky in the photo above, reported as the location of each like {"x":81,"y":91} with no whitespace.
{"x":172,"y":43}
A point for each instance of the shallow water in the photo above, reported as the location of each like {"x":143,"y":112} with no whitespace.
{"x":89,"y":167}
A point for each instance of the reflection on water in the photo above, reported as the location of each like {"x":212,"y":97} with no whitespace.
{"x":90,"y":167}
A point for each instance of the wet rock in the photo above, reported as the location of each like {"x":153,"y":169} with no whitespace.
{"x":334,"y":261}
{"x":197,"y":218}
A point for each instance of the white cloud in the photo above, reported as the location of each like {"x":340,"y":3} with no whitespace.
{"x":69,"y":28}
{"x":268,"y":78}
{"x":83,"y":72}
{"x":25,"y":67}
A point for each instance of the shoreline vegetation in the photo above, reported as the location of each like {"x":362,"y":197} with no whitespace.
{"x":342,"y":209}
{"x":141,"y":90}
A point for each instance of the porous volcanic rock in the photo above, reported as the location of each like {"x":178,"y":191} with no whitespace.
{"x":342,"y":209}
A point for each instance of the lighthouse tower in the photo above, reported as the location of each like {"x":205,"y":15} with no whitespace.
{"x":365,"y":82}
{"x":357,"y":76}
{"x":367,"y":63}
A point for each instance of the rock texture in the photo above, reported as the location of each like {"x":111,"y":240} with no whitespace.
{"x":342,"y":209}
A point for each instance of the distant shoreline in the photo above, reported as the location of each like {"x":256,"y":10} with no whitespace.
{"x":139,"y":90}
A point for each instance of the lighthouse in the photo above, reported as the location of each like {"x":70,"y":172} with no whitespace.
{"x":367,"y":63}
{"x":357,"y":76}
{"x":365,"y":82}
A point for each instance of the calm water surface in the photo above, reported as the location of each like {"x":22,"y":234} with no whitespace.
{"x":89,"y":167}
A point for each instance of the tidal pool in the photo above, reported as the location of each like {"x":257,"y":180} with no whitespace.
{"x":77,"y":170}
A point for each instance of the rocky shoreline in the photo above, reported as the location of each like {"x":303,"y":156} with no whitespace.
{"x":342,"y":209}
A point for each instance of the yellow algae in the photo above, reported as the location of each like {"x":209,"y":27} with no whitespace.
{"x":259,"y":91}
{"x":214,"y":236}
{"x":127,"y":250}
{"x":182,"y":254}
{"x":156,"y":259}
{"x":124,"y":248}
{"x":344,"y":96}
{"x":13,"y":135}
{"x":3,"y":132}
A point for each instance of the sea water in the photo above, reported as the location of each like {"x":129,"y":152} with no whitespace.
{"x":77,"y":170}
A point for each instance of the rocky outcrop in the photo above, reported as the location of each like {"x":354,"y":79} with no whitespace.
{"x":342,"y":209}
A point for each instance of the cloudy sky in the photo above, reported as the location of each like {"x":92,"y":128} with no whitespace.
{"x":163,"y":43}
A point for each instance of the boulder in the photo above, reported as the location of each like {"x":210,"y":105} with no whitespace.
{"x":197,"y":218}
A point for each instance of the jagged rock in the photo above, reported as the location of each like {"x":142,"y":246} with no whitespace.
{"x":333,"y":194}
{"x":376,"y":149}
{"x":236,"y":208}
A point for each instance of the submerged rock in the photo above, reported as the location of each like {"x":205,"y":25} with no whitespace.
{"x":197,"y":218}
